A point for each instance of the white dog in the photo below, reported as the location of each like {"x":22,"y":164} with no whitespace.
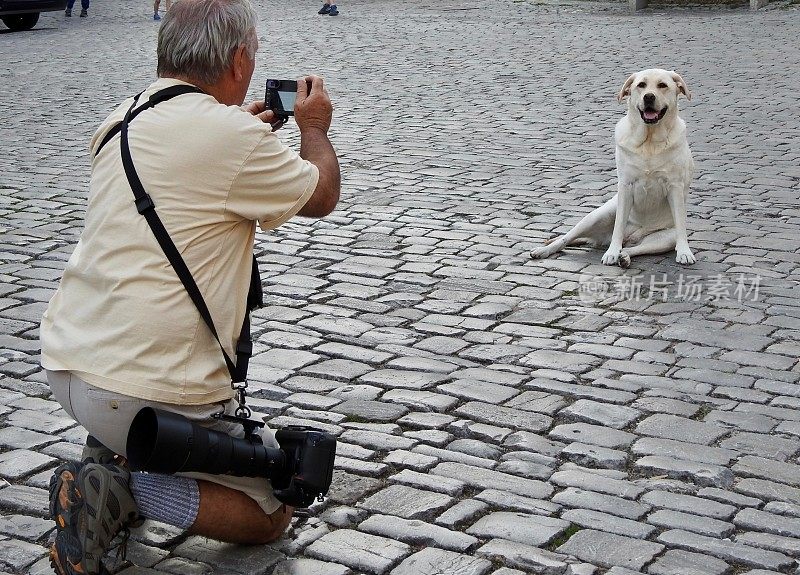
{"x":654,"y":170}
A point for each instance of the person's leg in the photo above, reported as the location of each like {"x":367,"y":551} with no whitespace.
{"x":229,"y":515}
{"x":85,"y":5}
{"x":224,"y":512}
{"x":156,"y":4}
{"x":70,"y":4}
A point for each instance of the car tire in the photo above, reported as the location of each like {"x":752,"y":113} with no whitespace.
{"x":19,"y":22}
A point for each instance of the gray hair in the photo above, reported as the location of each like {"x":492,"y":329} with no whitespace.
{"x":198,"y":38}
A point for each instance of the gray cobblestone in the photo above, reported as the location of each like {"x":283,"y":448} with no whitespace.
{"x":407,"y":502}
{"x":513,"y":502}
{"x":682,"y":450}
{"x":16,"y":554}
{"x":764,"y":521}
{"x":592,"y":434}
{"x":596,"y":482}
{"x":680,"y":429}
{"x":461,"y":513}
{"x":488,"y":479}
{"x":787,"y":545}
{"x":675,"y":562}
{"x":524,"y":557}
{"x":304,"y":566}
{"x":590,"y":519}
{"x":580,"y":498}
{"x":762,"y":445}
{"x":448,"y":455}
{"x":689,"y":504}
{"x":609,"y":550}
{"x":760,"y":467}
{"x":592,"y":455}
{"x":701,"y":473}
{"x":764,"y":489}
{"x":730,"y":497}
{"x":615,"y":416}
{"x":726,"y":550}
{"x":687,"y":522}
{"x":535,"y":530}
{"x":416,"y":532}
{"x":226,"y":557}
{"x":429,"y":561}
{"x":359,"y":551}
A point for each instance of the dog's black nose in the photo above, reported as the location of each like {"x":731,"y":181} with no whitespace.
{"x":649,"y":99}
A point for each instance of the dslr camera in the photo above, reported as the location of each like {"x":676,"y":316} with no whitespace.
{"x":300,"y":469}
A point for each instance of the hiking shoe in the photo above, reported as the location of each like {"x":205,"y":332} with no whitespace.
{"x":334,"y":11}
{"x":326,"y":8}
{"x":68,"y":13}
{"x":84,"y":13}
{"x":96,"y":452}
{"x":90,"y":503}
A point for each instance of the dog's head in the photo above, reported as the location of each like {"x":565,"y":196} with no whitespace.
{"x":653,"y":93}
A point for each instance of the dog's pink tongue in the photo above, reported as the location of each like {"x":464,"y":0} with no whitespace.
{"x":650,"y":115}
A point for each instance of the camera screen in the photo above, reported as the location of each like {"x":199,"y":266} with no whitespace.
{"x":281,"y":96}
{"x":287,"y":99}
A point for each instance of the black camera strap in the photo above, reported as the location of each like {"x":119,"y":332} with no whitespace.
{"x":146,"y":207}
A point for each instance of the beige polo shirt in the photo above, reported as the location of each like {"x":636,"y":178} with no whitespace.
{"x":121,"y":318}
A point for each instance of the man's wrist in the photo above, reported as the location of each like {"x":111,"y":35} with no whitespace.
{"x":313,"y":129}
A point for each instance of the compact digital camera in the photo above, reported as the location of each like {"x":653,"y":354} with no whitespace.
{"x":280,"y":97}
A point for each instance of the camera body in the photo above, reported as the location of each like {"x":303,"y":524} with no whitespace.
{"x":310,"y":455}
{"x":300,"y":469}
{"x":280,"y":97}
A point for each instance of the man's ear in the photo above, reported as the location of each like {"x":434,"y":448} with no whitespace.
{"x":682,"y":87}
{"x":239,"y":67}
{"x":626,"y":88}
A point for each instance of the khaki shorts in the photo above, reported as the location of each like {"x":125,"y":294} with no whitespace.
{"x":107,"y":416}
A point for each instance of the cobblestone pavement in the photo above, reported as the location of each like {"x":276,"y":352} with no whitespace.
{"x":494,"y":414}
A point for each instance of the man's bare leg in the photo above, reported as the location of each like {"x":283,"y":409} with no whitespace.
{"x":229,"y":515}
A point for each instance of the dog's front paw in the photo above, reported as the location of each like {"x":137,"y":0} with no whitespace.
{"x":611,"y":256}
{"x":541,"y":252}
{"x":685,"y":256}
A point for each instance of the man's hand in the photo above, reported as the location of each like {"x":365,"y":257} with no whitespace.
{"x":259,"y":110}
{"x":313,"y":112}
{"x":313,"y":108}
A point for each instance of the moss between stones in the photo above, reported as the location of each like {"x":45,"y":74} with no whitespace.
{"x":564,"y":537}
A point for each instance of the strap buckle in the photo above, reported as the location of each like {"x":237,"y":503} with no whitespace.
{"x":144,"y":203}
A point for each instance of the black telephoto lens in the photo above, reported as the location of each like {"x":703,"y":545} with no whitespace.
{"x":164,"y":442}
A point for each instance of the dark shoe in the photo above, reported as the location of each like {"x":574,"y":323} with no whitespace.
{"x":96,"y":452}
{"x":334,"y":11}
{"x":68,"y":13}
{"x":326,"y":8}
{"x":156,"y":17}
{"x":90,"y":503}
{"x":84,"y":13}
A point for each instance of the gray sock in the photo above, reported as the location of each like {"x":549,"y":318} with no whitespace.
{"x":166,"y":498}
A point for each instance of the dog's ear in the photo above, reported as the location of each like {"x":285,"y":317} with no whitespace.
{"x":626,"y":88}
{"x":682,"y":87}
